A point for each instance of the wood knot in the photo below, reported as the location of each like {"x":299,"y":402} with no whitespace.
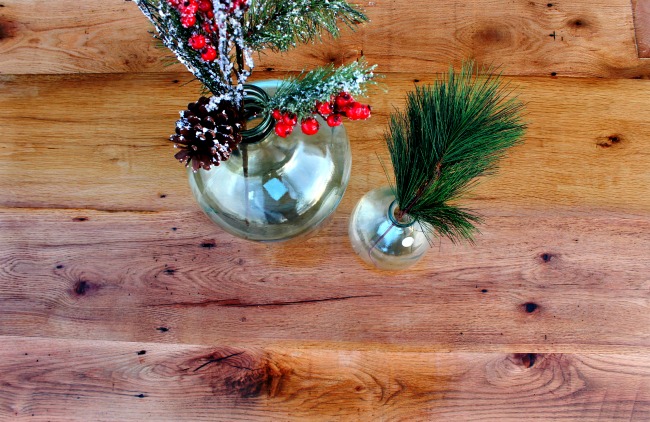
{"x":609,"y":141}
{"x":162,"y":329}
{"x":208,"y":245}
{"x":78,"y":219}
{"x":546,"y":257}
{"x":530,"y":307}
{"x":83,"y":287}
{"x":527,"y":360}
{"x":577,"y":23}
{"x":7,"y":29}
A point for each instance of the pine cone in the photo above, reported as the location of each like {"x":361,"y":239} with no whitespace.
{"x":206,"y":136}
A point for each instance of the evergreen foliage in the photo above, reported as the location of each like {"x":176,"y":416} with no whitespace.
{"x":299,"y":94}
{"x":451,"y":133}
{"x":281,"y":25}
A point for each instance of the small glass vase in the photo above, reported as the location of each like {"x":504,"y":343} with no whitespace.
{"x":273,"y":188}
{"x":382,"y":239}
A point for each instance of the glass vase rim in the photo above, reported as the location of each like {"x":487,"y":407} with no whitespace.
{"x":254,"y":97}
{"x":406,"y":221}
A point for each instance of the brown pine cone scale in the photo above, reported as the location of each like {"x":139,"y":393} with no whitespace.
{"x":207,"y":135}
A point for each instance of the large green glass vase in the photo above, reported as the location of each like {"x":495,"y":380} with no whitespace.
{"x":273,"y":188}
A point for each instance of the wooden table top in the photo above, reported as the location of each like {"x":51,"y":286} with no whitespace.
{"x":121,"y":301}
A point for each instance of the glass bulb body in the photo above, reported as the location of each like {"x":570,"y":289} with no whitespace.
{"x":383,"y":239}
{"x":273,"y":188}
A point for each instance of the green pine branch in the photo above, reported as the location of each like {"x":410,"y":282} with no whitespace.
{"x":299,"y":94}
{"x":451,"y":133}
{"x":281,"y":25}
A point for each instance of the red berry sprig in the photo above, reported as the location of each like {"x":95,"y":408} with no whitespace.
{"x":199,"y":16}
{"x":333,"y":111}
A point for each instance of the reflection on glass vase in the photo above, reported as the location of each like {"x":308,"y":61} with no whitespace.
{"x":274,"y":188}
{"x":381,"y":236}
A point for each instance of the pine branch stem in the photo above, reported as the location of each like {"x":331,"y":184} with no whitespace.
{"x":403,"y":211}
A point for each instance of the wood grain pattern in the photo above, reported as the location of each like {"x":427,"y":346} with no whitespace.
{"x":65,"y":380}
{"x":575,"y":281}
{"x":569,"y":38}
{"x":91,"y":131}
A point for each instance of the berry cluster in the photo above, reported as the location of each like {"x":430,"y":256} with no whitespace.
{"x":191,"y":9}
{"x":331,"y":111}
{"x":200,"y":14}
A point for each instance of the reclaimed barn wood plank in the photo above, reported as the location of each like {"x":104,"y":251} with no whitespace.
{"x":99,"y":142}
{"x":569,"y":38}
{"x":72,"y":380}
{"x":545,"y":279}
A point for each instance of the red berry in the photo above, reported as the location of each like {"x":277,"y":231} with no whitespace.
{"x":209,"y":14}
{"x":174,"y":3}
{"x":188,"y":20}
{"x":334,"y":119}
{"x":364,"y":113}
{"x":237,"y":4}
{"x":290,"y":119}
{"x":197,"y":41}
{"x":309,"y":126}
{"x":209,"y":54}
{"x":283,"y":130}
{"x":358,"y":111}
{"x":205,"y":5}
{"x":343,"y":99}
{"x":324,"y":108}
{"x":208,"y":28}
{"x":277,"y":115}
{"x":190,"y":7}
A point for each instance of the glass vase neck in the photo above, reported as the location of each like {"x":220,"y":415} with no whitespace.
{"x":398,"y":220}
{"x":254,"y":100}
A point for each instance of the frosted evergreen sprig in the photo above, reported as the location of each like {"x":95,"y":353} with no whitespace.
{"x":299,"y":94}
{"x":281,"y":24}
{"x":218,"y":75}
